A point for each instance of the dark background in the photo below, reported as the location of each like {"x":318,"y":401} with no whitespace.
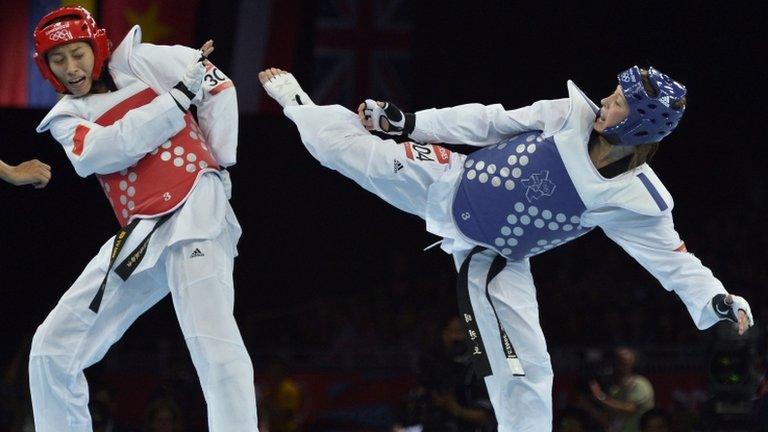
{"x":312,"y":236}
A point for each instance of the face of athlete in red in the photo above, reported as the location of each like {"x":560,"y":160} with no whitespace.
{"x":72,"y":65}
{"x":70,"y":50}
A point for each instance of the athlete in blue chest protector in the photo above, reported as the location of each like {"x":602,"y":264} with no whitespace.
{"x":534,"y":184}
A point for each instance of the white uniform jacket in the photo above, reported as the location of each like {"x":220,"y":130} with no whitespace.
{"x":640,"y":223}
{"x":206,"y":213}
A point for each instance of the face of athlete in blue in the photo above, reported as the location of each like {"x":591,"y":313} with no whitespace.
{"x":614,"y":109}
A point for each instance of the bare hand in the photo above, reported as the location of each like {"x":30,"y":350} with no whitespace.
{"x":31,"y":172}
{"x":596,"y":390}
{"x":207,"y":47}
{"x":206,"y":50}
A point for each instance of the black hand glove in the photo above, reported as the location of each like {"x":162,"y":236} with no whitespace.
{"x":400,"y":123}
{"x":730,"y":310}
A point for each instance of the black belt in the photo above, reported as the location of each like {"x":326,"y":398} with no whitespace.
{"x":480,"y":360}
{"x":126,"y":268}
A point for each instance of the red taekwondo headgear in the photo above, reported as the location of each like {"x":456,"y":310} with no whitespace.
{"x":63,"y":26}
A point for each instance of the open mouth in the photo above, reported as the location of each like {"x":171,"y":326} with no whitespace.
{"x":77,"y":82}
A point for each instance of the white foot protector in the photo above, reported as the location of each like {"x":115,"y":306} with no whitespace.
{"x":286,"y":91}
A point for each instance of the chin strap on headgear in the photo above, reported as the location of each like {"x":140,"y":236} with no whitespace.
{"x":66,"y":25}
{"x":651,"y":118}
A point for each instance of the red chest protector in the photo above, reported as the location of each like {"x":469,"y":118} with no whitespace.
{"x":161,"y":181}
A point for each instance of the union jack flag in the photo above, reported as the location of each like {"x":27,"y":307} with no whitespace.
{"x":362,"y":50}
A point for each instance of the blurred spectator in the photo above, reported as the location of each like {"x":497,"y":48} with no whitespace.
{"x":282,"y":400}
{"x":761,"y":404}
{"x":101,"y":417}
{"x":573,"y":420}
{"x":164,"y":415}
{"x":655,"y":420}
{"x":15,"y":402}
{"x":629,"y":395}
{"x":685,"y":415}
{"x":103,"y":408}
{"x":449,"y":397}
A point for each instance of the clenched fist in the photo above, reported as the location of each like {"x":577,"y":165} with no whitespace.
{"x":31,"y":172}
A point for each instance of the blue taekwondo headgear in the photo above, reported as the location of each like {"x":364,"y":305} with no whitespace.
{"x":650,"y":118}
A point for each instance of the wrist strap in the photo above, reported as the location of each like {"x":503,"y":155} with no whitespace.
{"x":182,"y":88}
{"x":410,"y":124}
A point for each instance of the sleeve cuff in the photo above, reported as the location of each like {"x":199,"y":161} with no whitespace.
{"x":422,"y":126}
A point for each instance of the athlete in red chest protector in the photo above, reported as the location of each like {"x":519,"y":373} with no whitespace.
{"x":125,"y":118}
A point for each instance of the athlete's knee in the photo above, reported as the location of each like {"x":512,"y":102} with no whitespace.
{"x":46,"y":360}
{"x":220,"y":360}
{"x":45,"y":341}
{"x":60,"y":333}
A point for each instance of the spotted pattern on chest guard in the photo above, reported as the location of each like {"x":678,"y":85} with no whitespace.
{"x":517,"y":198}
{"x":161,"y":180}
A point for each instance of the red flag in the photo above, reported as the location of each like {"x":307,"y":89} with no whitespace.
{"x":166,"y":22}
{"x":13,"y":89}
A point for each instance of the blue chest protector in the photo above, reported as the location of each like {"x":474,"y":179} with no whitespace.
{"x":517,"y":198}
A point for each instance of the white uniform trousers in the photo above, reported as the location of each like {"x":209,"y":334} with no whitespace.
{"x":521,"y":404}
{"x":334,"y":136}
{"x":198,"y":274}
